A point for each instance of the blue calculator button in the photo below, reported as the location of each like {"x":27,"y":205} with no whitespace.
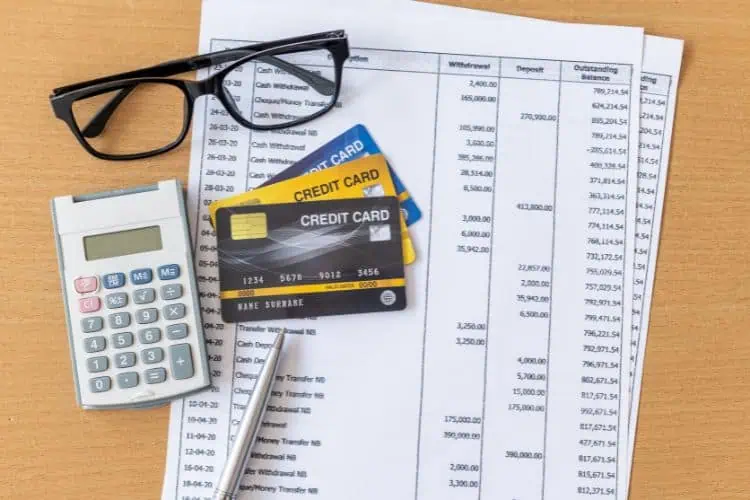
{"x":169,"y":272}
{"x":114,"y":280}
{"x":141,"y":276}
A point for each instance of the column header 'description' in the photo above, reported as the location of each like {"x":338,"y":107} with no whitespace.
{"x":392,"y":60}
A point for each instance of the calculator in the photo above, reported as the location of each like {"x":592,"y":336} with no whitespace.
{"x":130,"y":294}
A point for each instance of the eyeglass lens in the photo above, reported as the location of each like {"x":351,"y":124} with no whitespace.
{"x":132,"y":119}
{"x":280,"y":89}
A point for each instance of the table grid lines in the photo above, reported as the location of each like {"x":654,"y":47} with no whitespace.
{"x":551,"y":292}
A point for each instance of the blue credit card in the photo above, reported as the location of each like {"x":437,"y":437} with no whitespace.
{"x":351,"y":145}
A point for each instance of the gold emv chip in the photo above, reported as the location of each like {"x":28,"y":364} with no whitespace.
{"x":248,"y":226}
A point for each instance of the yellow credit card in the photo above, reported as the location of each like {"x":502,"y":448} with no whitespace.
{"x":363,"y":178}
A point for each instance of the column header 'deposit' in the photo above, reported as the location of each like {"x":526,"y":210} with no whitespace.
{"x":530,"y":69}
{"x":602,"y":73}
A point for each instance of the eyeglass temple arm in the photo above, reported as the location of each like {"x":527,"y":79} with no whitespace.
{"x":319,"y":83}
{"x":184,"y":65}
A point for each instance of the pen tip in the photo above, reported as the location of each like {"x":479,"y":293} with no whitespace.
{"x":279,"y":341}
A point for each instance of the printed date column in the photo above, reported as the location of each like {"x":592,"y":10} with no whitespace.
{"x":458,"y":279}
{"x":224,"y":169}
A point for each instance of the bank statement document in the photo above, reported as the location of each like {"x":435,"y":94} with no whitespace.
{"x":507,"y":375}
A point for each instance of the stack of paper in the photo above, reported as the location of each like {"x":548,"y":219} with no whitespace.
{"x":538,"y":152}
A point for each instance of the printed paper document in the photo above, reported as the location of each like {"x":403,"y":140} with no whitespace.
{"x":507,"y":374}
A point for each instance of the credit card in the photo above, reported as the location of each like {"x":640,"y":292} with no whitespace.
{"x":364,"y":178}
{"x":298,"y":260}
{"x":351,"y":145}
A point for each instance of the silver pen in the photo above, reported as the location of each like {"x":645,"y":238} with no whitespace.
{"x":234,"y":468}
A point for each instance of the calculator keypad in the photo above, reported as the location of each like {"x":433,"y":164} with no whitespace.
{"x":148,"y":355}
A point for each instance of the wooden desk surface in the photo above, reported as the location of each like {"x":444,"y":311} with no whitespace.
{"x":694,"y":434}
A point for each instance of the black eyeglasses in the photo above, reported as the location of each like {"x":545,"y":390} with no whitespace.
{"x":265,"y":86}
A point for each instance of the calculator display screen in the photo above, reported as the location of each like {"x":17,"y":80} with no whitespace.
{"x":103,"y":246}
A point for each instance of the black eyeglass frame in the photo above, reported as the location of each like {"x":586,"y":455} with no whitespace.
{"x":62,"y":98}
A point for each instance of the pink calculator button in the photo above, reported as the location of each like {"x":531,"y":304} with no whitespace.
{"x":86,"y":284}
{"x":89,"y":304}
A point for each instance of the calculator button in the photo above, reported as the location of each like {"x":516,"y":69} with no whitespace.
{"x":153,"y":355}
{"x":89,"y":304}
{"x":125,"y":359}
{"x":94,"y":344}
{"x":169,"y":272}
{"x":178,"y":331}
{"x":127,"y":380}
{"x":92,"y":324}
{"x":144,"y":296}
{"x":181,"y":360}
{"x":97,"y":364}
{"x":149,"y":335}
{"x":155,"y":375}
{"x":174,"y":311}
{"x":114,"y":280}
{"x":86,"y":284}
{"x":119,"y":320}
{"x":100,"y":384}
{"x":145,"y":316}
{"x":124,"y":339}
{"x":116,"y":300}
{"x":170,"y":292}
{"x":141,"y":276}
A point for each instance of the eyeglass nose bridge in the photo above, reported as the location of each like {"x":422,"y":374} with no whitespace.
{"x":198,"y":88}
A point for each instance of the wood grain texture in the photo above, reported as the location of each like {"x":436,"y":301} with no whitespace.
{"x":694,"y":434}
